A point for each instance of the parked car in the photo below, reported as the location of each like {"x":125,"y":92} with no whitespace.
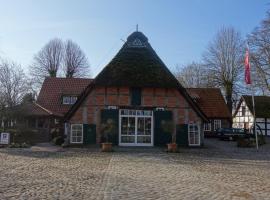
{"x":231,"y":133}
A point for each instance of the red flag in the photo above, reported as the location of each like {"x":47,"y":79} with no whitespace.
{"x":247,"y":68}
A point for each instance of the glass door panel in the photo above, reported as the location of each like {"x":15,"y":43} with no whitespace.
{"x":136,"y":128}
{"x":127,"y":130}
{"x":194,"y":135}
{"x":144,"y":135}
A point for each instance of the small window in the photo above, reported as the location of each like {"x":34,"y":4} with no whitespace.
{"x":243,"y":110}
{"x":194,"y":135}
{"x":217,"y":124}
{"x":56,"y":121}
{"x":76,"y":136}
{"x":69,"y":100}
{"x":207,"y":126}
{"x":136,"y":96}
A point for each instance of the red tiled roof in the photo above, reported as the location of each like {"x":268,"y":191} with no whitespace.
{"x":50,"y":96}
{"x":211,"y":102}
{"x":36,"y":110}
{"x":30,"y":109}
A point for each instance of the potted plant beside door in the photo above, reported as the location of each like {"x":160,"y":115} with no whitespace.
{"x":107,"y":129}
{"x":168,"y":127}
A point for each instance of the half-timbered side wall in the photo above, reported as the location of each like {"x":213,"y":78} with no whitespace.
{"x":243,"y":117}
{"x":263,"y":125}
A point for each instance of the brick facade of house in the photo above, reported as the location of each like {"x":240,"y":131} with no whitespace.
{"x":102,"y":97}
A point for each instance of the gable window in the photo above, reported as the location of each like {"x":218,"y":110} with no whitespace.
{"x":136,"y":96}
{"x":69,"y":100}
{"x":217,"y":124}
{"x":193,"y":135}
{"x":76,"y":135}
{"x":243,"y":110}
{"x":207,"y":126}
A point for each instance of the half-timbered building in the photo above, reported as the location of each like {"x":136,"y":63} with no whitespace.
{"x":244,"y":114}
{"x":137,"y":91}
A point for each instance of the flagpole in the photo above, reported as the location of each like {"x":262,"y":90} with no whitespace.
{"x":248,"y":81}
{"x":254,"y":115}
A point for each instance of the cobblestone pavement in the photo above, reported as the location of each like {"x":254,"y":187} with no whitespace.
{"x":218,"y":171}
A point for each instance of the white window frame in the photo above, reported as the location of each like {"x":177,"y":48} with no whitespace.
{"x":71,"y":134}
{"x":217,"y":124}
{"x":73,"y":99}
{"x":199,"y":134}
{"x":136,"y":114}
{"x":207,"y":126}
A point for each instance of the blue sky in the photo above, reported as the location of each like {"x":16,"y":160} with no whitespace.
{"x":179,"y":30}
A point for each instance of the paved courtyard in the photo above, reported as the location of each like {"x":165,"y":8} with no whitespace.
{"x":217,"y":171}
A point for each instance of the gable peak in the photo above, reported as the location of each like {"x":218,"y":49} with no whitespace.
{"x":137,"y":39}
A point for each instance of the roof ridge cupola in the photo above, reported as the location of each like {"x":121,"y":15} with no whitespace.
{"x":137,"y":40}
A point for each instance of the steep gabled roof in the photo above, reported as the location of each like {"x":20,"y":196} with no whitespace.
{"x":50,"y":96}
{"x":211,"y":102}
{"x":136,"y":65}
{"x":262,"y":105}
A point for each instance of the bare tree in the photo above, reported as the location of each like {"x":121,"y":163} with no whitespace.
{"x":13,"y":83}
{"x":57,"y":57}
{"x":75,"y":62}
{"x":47,"y":61}
{"x":259,"y":43}
{"x":224,"y":61}
{"x":193,"y":75}
{"x":14,"y":86}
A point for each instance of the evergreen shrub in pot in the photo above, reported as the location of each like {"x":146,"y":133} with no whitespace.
{"x":107,"y":130}
{"x":168,"y":127}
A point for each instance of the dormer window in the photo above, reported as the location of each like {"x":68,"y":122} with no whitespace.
{"x":69,"y":100}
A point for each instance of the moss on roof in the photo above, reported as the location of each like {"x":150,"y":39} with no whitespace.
{"x":136,"y":65}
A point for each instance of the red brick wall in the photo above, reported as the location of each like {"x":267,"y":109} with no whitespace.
{"x":171,"y":99}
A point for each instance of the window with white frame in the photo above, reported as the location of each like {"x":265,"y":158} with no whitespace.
{"x":194,"y":135}
{"x":207,"y":126}
{"x":76,"y":135}
{"x":69,"y":100}
{"x":217,"y":124}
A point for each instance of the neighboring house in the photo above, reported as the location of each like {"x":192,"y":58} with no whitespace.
{"x":137,"y":92}
{"x":56,"y":97}
{"x":29,"y":120}
{"x":244,"y":114}
{"x":212,"y":103}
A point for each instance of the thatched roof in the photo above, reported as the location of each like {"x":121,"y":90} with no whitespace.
{"x":136,"y":65}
